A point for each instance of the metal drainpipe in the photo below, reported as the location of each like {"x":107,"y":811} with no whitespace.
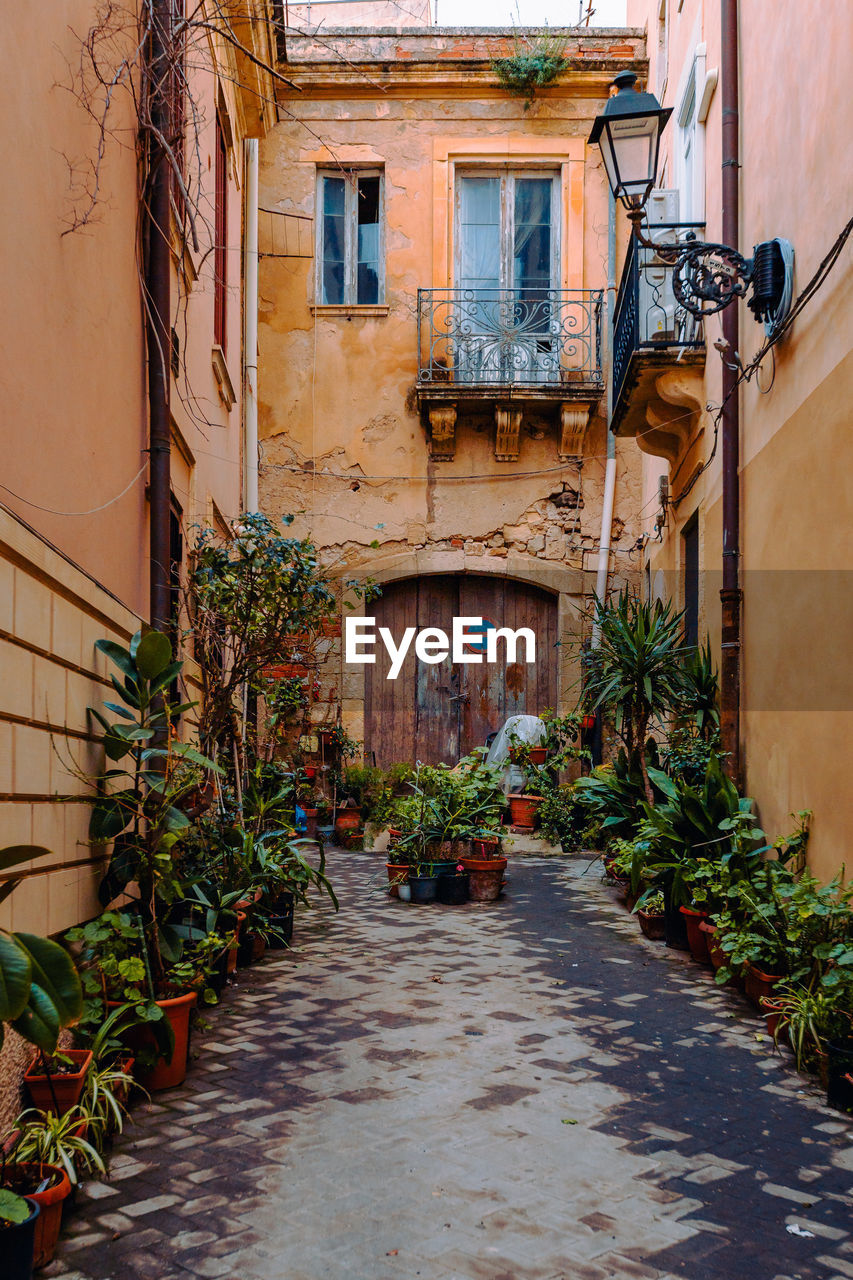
{"x":157,"y":287}
{"x":610,"y":465}
{"x":250,"y":330}
{"x":730,"y":595}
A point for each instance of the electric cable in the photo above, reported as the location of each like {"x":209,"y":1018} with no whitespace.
{"x":92,"y":510}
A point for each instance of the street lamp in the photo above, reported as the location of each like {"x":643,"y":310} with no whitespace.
{"x":628,"y":133}
{"x":706,"y":277}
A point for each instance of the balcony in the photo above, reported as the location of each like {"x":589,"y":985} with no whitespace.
{"x":509,"y":350}
{"x":658,"y":350}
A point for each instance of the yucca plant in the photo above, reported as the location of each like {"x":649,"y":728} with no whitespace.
{"x":635,"y":671}
{"x":701,"y":691}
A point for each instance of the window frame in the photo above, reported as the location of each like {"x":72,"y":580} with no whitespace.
{"x":508,"y":175}
{"x":351,"y":175}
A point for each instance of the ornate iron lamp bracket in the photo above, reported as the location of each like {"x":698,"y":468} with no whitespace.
{"x":706,"y":277}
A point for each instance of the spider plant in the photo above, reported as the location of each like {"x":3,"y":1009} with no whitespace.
{"x":811,"y":1016}
{"x":104,"y":1101}
{"x":45,"y":1138}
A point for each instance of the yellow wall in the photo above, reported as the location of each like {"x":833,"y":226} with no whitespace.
{"x":796,"y":452}
{"x":73,"y":417}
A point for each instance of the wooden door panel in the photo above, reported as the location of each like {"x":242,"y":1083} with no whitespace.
{"x":482,"y":709}
{"x":419,"y":716}
{"x":390,"y":716}
{"x":437,"y":684}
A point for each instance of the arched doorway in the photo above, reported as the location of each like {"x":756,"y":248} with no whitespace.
{"x":440,"y":712}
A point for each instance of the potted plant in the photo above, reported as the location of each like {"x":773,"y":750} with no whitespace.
{"x":40,"y":994}
{"x":18,"y":1217}
{"x":524,"y":808}
{"x":397,"y":867}
{"x":813,"y":1018}
{"x":56,"y":1081}
{"x":47,"y":1187}
{"x":651,"y":917}
{"x":138,"y":808}
{"x":423,"y":883}
{"x":453,"y":887}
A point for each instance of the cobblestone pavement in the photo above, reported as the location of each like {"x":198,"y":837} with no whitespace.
{"x":528,"y":1090}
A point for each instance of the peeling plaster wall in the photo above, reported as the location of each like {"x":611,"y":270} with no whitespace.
{"x":342,"y":438}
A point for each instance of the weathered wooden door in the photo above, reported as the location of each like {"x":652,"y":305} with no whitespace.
{"x":438,"y":712}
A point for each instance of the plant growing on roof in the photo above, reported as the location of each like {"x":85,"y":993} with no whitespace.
{"x":636,"y":671}
{"x":536,"y":61}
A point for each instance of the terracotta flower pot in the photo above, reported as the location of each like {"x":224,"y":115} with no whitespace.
{"x":165,"y":1075}
{"x":397,"y":874}
{"x":652,"y":924}
{"x":310,"y":823}
{"x":538,"y":755}
{"x":485,"y":878}
{"x":67,"y":1086}
{"x":696,"y":939}
{"x":347,"y":820}
{"x":759,"y":985}
{"x":50,"y":1202}
{"x":772,"y":1010}
{"x":485,"y":847}
{"x":716,"y":954}
{"x":523,"y":810}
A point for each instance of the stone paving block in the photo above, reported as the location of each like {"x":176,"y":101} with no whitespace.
{"x":342,"y":1109}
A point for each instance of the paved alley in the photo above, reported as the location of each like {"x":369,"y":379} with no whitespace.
{"x":526,"y":1091}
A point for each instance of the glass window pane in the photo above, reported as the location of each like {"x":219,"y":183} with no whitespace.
{"x":479,"y":233}
{"x":480,"y":200}
{"x":368,"y":201}
{"x":334,"y":195}
{"x":333,"y":258}
{"x":333,"y":282}
{"x":368,"y":282}
{"x":532,"y":257}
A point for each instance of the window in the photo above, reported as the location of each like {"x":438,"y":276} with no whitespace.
{"x":690,"y":549}
{"x":688,"y":164}
{"x":220,"y":257}
{"x":350,"y":247}
{"x":507,"y":269}
{"x":507,"y":232}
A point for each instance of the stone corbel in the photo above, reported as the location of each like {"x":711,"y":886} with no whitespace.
{"x":673,"y":414}
{"x":508,"y":423}
{"x":574,"y":419}
{"x":442,"y":430}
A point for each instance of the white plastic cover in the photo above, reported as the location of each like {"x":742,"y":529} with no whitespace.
{"x":528,"y":729}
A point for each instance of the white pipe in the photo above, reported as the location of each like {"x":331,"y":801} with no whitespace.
{"x":610,"y":467}
{"x":250,"y":332}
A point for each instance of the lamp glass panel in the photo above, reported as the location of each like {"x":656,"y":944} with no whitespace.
{"x":635,"y":148}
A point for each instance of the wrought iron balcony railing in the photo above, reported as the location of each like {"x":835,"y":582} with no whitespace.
{"x":526,"y":339}
{"x":648,"y":316}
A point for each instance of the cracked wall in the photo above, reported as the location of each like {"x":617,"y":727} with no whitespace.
{"x":344,"y":443}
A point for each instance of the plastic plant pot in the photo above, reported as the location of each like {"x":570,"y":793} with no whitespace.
{"x":452,"y":889}
{"x":423,"y":889}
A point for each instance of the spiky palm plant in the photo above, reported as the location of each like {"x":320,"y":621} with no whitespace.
{"x":636,"y":670}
